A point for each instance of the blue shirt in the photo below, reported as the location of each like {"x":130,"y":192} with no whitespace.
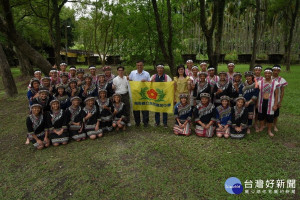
{"x":135,"y":76}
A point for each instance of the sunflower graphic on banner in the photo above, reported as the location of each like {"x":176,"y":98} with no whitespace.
{"x":152,"y":96}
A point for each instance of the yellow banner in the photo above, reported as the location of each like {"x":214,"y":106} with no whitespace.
{"x":152,"y":96}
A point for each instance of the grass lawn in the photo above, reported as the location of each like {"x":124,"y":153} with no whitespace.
{"x":147,"y":163}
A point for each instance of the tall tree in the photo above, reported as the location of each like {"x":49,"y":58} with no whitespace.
{"x":255,"y":34}
{"x":7,"y":27}
{"x":167,"y":52}
{"x":7,"y":77}
{"x":49,"y":10}
{"x":219,"y":33}
{"x":288,"y":43}
{"x":208,"y":31}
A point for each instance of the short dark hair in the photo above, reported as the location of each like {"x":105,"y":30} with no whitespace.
{"x":120,"y":67}
{"x":138,"y":61}
{"x":178,"y":67}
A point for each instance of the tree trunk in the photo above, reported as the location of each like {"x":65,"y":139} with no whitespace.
{"x":168,"y":55}
{"x":290,"y":38}
{"x":208,"y":32}
{"x":170,"y":39}
{"x":8,"y":28}
{"x":255,"y":33}
{"x":57,"y":38}
{"x":219,"y":33}
{"x":25,"y":66}
{"x":7,"y":77}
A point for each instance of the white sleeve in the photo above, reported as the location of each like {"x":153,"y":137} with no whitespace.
{"x":130,"y":76}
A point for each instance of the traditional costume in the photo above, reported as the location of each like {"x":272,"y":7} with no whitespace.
{"x":90,"y":124}
{"x":45,"y":103}
{"x":281,"y":83}
{"x":201,"y":88}
{"x":265,"y":106}
{"x":223,"y":116}
{"x":91,"y":91}
{"x":93,"y":78}
{"x":250,"y":92}
{"x":212,"y":80}
{"x":64,"y":99}
{"x":236,"y":92}
{"x":183,"y":113}
{"x":75,"y":115}
{"x":69,"y":89}
{"x":230,"y":76}
{"x":57,"y":121}
{"x":120,"y":111}
{"x":239,"y":118}
{"x":105,"y":114}
{"x":32,"y":92}
{"x":226,"y":88}
{"x":36,"y":125}
{"x":205,"y":114}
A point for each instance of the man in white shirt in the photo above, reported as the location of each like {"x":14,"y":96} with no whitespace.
{"x":140,"y":75}
{"x":120,"y":85}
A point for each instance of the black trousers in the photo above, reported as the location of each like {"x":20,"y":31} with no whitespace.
{"x":126,"y":101}
{"x":137,"y":117}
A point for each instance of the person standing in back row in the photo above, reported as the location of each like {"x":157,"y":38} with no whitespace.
{"x":161,"y":77}
{"x":140,"y":75}
{"x":120,"y":85}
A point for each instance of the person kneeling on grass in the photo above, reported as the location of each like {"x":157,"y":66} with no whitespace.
{"x":223,"y":117}
{"x":239,"y":118}
{"x":205,"y":113}
{"x":183,"y":115}
{"x":37,"y":127}
{"x":105,"y":107}
{"x":91,"y":119}
{"x":118,"y":108}
{"x":74,"y":117}
{"x":56,"y":119}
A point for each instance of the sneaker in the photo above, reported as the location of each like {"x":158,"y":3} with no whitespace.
{"x":129,"y":124}
{"x":165,"y":126}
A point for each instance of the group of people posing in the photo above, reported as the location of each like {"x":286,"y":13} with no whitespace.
{"x":81,"y":105}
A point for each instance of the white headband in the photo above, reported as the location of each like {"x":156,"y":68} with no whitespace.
{"x":160,"y":66}
{"x":37,"y":72}
{"x":211,"y":68}
{"x":92,"y":67}
{"x":230,"y":64}
{"x":257,"y":67}
{"x":203,"y":63}
{"x":72,"y":68}
{"x":63,"y":64}
{"x":276,"y":68}
{"x":268,"y":70}
{"x":53,"y":70}
{"x":195,"y":67}
{"x":189,"y":61}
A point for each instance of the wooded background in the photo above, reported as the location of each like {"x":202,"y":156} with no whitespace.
{"x":39,"y":33}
